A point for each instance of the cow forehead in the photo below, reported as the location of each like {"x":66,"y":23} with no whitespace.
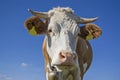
{"x":64,"y":21}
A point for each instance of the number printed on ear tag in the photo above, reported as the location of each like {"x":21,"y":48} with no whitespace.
{"x":33,"y":31}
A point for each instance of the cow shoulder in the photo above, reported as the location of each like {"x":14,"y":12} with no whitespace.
{"x":84,"y":52}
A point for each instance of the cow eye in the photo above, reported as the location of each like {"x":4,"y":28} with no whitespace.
{"x":50,"y":30}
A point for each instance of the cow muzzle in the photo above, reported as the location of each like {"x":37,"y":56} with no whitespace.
{"x":67,"y":58}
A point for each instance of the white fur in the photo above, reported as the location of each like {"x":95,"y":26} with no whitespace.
{"x":60,"y":9}
{"x":65,"y":30}
{"x":87,"y":46}
{"x":85,"y":66}
{"x":47,"y":76}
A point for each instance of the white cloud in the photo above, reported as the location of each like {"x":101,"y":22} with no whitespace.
{"x":5,"y":77}
{"x":24,"y":64}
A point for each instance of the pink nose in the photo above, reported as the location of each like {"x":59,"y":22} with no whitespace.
{"x":67,"y":58}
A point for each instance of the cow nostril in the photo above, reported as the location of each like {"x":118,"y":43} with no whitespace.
{"x":62,"y":56}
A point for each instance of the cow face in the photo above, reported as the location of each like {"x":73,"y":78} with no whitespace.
{"x":62,"y":34}
{"x":62,"y":31}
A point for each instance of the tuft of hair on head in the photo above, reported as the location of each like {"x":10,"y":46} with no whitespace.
{"x":61,"y":9}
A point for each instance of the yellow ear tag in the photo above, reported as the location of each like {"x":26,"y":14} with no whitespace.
{"x":89,"y":37}
{"x":32,"y":31}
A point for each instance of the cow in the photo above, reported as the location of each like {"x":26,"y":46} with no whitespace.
{"x":66,"y":48}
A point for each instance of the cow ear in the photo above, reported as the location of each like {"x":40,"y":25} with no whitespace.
{"x":35,"y":26}
{"x":90,"y":31}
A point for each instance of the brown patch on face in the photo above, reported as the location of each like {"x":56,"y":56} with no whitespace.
{"x":90,"y":29}
{"x":40,"y":26}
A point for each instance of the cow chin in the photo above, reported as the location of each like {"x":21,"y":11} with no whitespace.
{"x":69,"y":64}
{"x":64,"y":72}
{"x":64,"y":64}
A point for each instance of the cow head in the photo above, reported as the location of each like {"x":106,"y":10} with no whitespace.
{"x":61,"y":27}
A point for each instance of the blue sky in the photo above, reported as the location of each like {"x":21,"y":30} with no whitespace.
{"x":21,"y":54}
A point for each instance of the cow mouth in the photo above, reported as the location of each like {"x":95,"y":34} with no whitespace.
{"x":72,"y":63}
{"x":59,"y":68}
{"x":62,"y":65}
